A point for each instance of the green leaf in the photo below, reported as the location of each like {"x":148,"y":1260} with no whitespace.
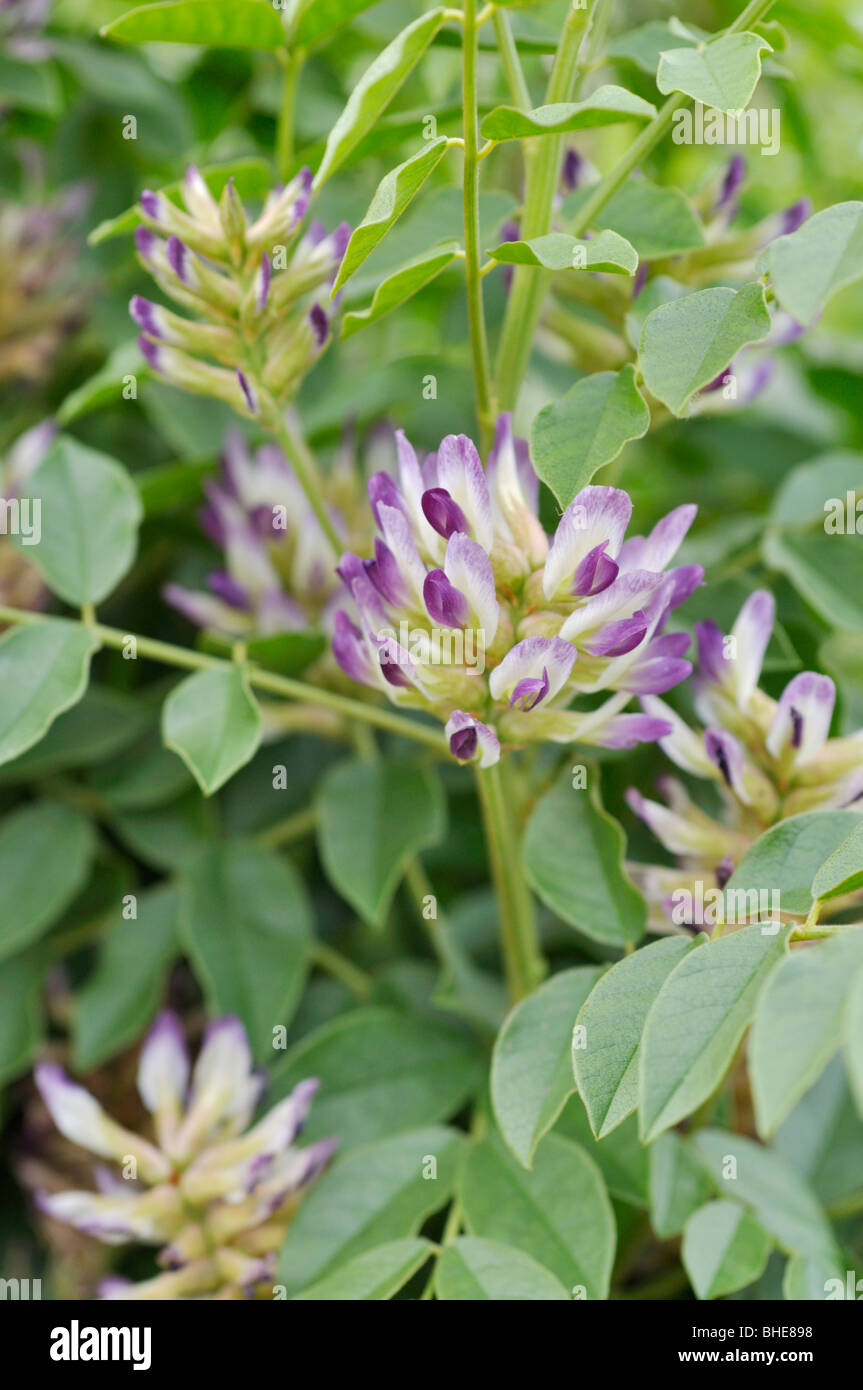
{"x":381,"y":1072}
{"x":822,"y":1137}
{"x":252,"y":177}
{"x":799,"y":1024}
{"x":374,"y":1276}
{"x":827,"y":571}
{"x":373,"y":818}
{"x":567,"y":825}
{"x":213,"y":721}
{"x":807,"y":1280}
{"x":723,"y":73}
{"x":46,"y":851}
{"x":240,"y":24}
{"x":677,"y":1183}
{"x":103,"y":723}
{"x":657,"y":221}
{"x":645,"y":44}
{"x":376,"y":89}
{"x":765,"y":1183}
{"x":21,"y":1023}
{"x":610,"y":1024}
{"x":606,"y":106}
{"x":809,"y":266}
{"x":124,"y":991}
{"x":559,"y":251}
{"x":686,"y":343}
{"x":247,"y":928}
{"x":106,"y":385}
{"x":558,"y":1212}
{"x":620,"y":1157}
{"x":393,"y":194}
{"x":587,"y":428}
{"x":471,"y":1270}
{"x":854,"y":1042}
{"x":43,"y":671}
{"x":803,"y":495}
{"x":696,"y":1023}
{"x":376,"y":1194}
{"x":724,"y":1249}
{"x":322,"y":18}
{"x":408,"y":280}
{"x":90,"y":512}
{"x":29,"y":86}
{"x":784,"y":860}
{"x":531,"y":1071}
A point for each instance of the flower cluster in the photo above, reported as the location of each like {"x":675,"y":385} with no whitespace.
{"x":39,"y":306}
{"x":769,"y":759}
{"x":469,"y":609}
{"x":255,"y":327}
{"x":279,"y":566}
{"x":215,"y":1195}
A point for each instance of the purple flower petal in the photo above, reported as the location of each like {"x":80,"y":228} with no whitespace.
{"x":444,"y":603}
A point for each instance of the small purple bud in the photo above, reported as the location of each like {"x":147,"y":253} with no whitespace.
{"x":178,"y":258}
{"x":146,"y":315}
{"x":443,"y":513}
{"x":263,"y":284}
{"x":795,"y":216}
{"x":150,"y":351}
{"x":150,"y":203}
{"x":463,"y":743}
{"x":529,"y":692}
{"x":595,"y":572}
{"x":444,"y":602}
{"x":248,"y":393}
{"x":570,"y":174}
{"x":145,"y":240}
{"x":735,"y":173}
{"x":320,"y":324}
{"x":640,"y":278}
{"x":225,"y":587}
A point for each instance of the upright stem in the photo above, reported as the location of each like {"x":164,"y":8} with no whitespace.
{"x":478,"y":342}
{"x":523,"y":962}
{"x":542,"y":163}
{"x":294,"y":447}
{"x":529,"y":285}
{"x":510,"y":61}
{"x":292,"y":63}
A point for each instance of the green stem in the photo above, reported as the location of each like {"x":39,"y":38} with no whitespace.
{"x":542,"y":158}
{"x":476,"y":317}
{"x":292,"y":63}
{"x":334,"y":963}
{"x":510,"y":62}
{"x":523,"y":962}
{"x":294,"y":447}
{"x":291,"y":828}
{"x":169,"y":655}
{"x":528,"y":290}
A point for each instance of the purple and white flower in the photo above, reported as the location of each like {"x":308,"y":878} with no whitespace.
{"x":769,"y":759}
{"x":467,"y":607}
{"x":215,"y":1194}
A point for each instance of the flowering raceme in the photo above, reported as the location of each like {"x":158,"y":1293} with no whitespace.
{"x":279,"y":566}
{"x":255,"y":327}
{"x":214,"y":1194}
{"x":469,"y":609}
{"x":770,"y":759}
